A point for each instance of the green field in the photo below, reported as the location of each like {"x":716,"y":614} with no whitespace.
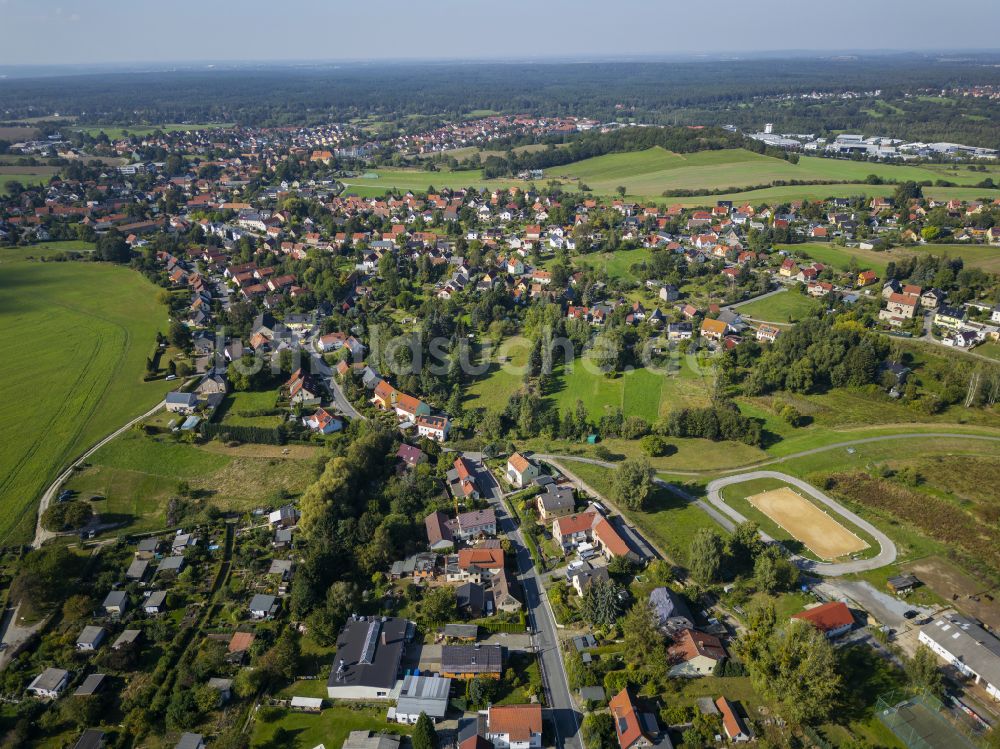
{"x":116,"y":131}
{"x":650,"y":172}
{"x":789,"y":306}
{"x":237,"y":408}
{"x":73,"y":368}
{"x":26,"y":177}
{"x":647,"y":174}
{"x":978,"y":256}
{"x":616,"y":264}
{"x":137,"y":475}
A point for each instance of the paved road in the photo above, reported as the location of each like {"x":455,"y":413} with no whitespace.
{"x":887,"y":549}
{"x":565,"y":717}
{"x":737,"y":305}
{"x":928,"y":337}
{"x":339,"y":399}
{"x":42,"y":535}
{"x":14,"y":634}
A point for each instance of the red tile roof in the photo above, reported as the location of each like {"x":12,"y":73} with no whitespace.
{"x":827,"y":616}
{"x":519,"y":722}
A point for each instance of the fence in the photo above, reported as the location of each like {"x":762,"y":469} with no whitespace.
{"x":920,"y":721}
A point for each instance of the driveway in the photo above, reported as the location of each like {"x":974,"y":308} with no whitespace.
{"x":887,"y":609}
{"x":887,"y":549}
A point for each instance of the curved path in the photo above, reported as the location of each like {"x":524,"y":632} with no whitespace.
{"x":790,"y":456}
{"x":42,"y":535}
{"x":887,"y":549}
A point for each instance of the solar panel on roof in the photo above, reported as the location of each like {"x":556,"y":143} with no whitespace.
{"x":371,"y":640}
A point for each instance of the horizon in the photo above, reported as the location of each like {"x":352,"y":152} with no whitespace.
{"x":117,"y":33}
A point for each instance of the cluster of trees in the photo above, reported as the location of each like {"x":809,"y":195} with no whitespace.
{"x":818,"y":354}
{"x":720,"y":421}
{"x":743,"y":554}
{"x":66,"y":516}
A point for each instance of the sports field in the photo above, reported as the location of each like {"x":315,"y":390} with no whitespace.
{"x":821,"y":534}
{"x":79,"y":335}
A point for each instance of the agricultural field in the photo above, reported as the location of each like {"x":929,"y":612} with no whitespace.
{"x":138,"y":475}
{"x":977,"y":256}
{"x":78,"y":369}
{"x":787,"y":307}
{"x":648,"y":173}
{"x":115,"y":131}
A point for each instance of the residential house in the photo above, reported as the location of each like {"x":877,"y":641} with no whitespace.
{"x":369,"y":651}
{"x":732,"y":722}
{"x":190,"y":741}
{"x":903,"y":304}
{"x":433,"y":427}
{"x":438,"y":531}
{"x":695,"y":653}
{"x":155,"y":603}
{"x":581,"y":579}
{"x":832,"y":618}
{"x":672,"y":613}
{"x":714,"y":330}
{"x":368,"y":740}
{"x":476,"y":564}
{"x":410,"y":456}
{"x":462,"y":479}
{"x":866,"y":278}
{"x":767,"y":333}
{"x":949,"y":317}
{"x":932,"y":298}
{"x":323,"y":422}
{"x":470,"y":598}
{"x":182,"y":403}
{"x":92,"y":738}
{"x":634,"y":729}
{"x":520,"y":471}
{"x":471,"y":661}
{"x":556,"y":501}
{"x":514,"y":726}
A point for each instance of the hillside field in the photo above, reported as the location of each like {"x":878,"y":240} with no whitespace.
{"x":74,"y":372}
{"x":977,"y":256}
{"x":647,"y":174}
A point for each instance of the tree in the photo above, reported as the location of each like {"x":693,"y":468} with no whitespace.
{"x":922,"y":671}
{"x":178,"y":334}
{"x":795,"y":668}
{"x":598,"y":731}
{"x":113,"y":248}
{"x":439,"y":605}
{"x":745,"y":545}
{"x":705,"y":556}
{"x":327,"y":620}
{"x":632,"y":483}
{"x":66,"y":516}
{"x":602,"y":603}
{"x":481,"y":691}
{"x":772,"y":573}
{"x":424,"y":735}
{"x":640,"y":634}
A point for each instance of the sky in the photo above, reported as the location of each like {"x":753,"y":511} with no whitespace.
{"x":44,"y":32}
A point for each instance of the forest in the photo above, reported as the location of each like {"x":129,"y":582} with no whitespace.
{"x":704,"y":92}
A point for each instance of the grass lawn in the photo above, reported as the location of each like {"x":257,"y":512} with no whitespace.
{"x":330,"y":727}
{"x":787,"y":307}
{"x":84,"y":331}
{"x":26,"y":175}
{"x":138,"y":475}
{"x":616,"y":264}
{"x":238,"y":406}
{"x":493,"y":390}
{"x":640,"y":392}
{"x":990,"y":350}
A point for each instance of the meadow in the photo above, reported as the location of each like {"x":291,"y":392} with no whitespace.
{"x":73,"y":373}
{"x":138,"y":475}
{"x":329,"y":728}
{"x":787,"y":307}
{"x":26,"y":175}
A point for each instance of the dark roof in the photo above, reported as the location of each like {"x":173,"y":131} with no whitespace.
{"x":668,"y":606}
{"x":92,"y":738}
{"x":91,"y":685}
{"x":475,"y":659}
{"x":368,"y":653}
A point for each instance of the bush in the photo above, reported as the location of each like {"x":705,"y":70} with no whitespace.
{"x":66,"y":516}
{"x":655,"y":446}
